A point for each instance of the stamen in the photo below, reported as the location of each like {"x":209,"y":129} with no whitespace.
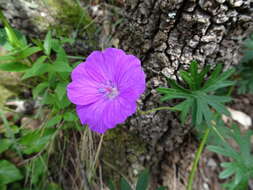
{"x":109,"y":90}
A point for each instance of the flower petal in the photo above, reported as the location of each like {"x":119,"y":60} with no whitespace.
{"x":83,"y":92}
{"x":92,"y":115}
{"x":117,"y":111}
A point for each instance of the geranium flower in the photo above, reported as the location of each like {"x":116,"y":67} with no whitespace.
{"x":105,"y":88}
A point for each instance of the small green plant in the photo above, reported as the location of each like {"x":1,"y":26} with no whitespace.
{"x":199,"y":93}
{"x":241,"y":166}
{"x":245,"y":82}
{"x":47,"y":67}
{"x":142,"y":183}
{"x":206,"y":105}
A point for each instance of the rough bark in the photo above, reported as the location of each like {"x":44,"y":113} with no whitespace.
{"x":167,"y":35}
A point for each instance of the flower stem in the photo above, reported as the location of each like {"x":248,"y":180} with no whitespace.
{"x":157,"y":109}
{"x":197,"y":158}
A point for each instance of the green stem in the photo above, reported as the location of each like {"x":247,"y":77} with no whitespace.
{"x":197,"y":158}
{"x":157,"y":109}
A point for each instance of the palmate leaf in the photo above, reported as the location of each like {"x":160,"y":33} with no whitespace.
{"x":200,"y":99}
{"x":241,"y":166}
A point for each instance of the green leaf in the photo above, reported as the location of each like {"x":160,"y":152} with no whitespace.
{"x":38,"y":68}
{"x":53,"y":121}
{"x":205,"y":111}
{"x":61,"y":63}
{"x":4,"y":144}
{"x":227,"y":173}
{"x":111,"y":185}
{"x":220,"y":108}
{"x":36,"y":141}
{"x":184,"y":107}
{"x":223,"y":151}
{"x":143,"y":180}
{"x":218,"y":81}
{"x":162,"y":188}
{"x":248,"y":55}
{"x":8,"y":173}
{"x":124,"y":185}
{"x":36,"y":169}
{"x":187,"y":78}
{"x":48,"y":43}
{"x":20,"y":54}
{"x":61,"y":90}
{"x":69,"y":116}
{"x":12,"y":38}
{"x":39,"y":88}
{"x":13,"y":67}
{"x":53,"y":186}
{"x":28,"y":52}
{"x":3,"y":187}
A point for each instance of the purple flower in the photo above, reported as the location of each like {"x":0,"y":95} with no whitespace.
{"x":105,"y":88}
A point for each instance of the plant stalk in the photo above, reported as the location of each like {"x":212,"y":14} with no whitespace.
{"x":197,"y":158}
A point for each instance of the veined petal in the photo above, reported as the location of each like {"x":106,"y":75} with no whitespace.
{"x":83,"y":92}
{"x":92,"y":115}
{"x":117,"y":111}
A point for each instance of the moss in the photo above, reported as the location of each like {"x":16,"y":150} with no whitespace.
{"x":71,"y":17}
{"x":121,"y":149}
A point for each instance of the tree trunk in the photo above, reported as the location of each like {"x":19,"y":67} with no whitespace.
{"x":167,"y":35}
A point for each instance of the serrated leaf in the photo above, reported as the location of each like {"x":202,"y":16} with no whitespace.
{"x":220,"y":108}
{"x":218,"y":81}
{"x":205,"y":110}
{"x":8,"y":173}
{"x":143,"y":180}
{"x":124,"y":185}
{"x":185,"y":108}
{"x":13,"y":67}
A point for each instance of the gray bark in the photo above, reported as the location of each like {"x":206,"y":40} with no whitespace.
{"x":167,"y":35}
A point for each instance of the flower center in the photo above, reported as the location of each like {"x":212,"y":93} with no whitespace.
{"x":109,"y":90}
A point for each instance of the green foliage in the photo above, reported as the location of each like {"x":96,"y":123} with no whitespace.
{"x":35,"y":141}
{"x":4,"y":144}
{"x":248,"y":49}
{"x":8,"y":172}
{"x":46,"y":64}
{"x":199,"y":93}
{"x":245,"y":68}
{"x":241,"y":166}
{"x":142,"y":183}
